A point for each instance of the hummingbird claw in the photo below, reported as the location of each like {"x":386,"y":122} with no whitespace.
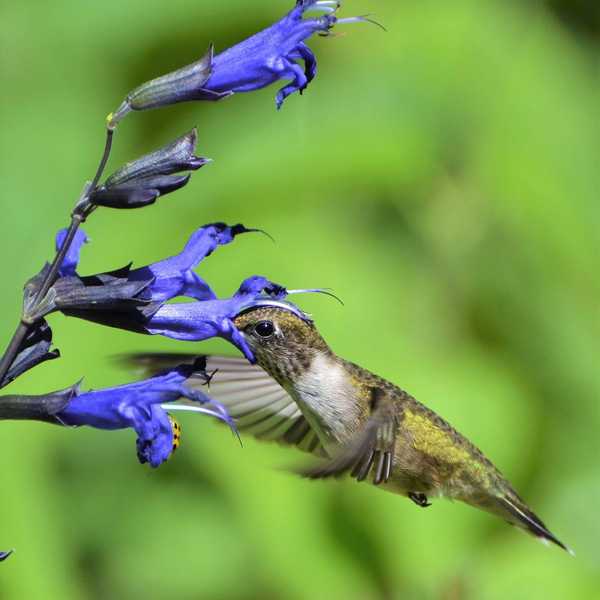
{"x":420,"y":499}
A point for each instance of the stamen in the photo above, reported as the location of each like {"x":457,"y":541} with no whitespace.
{"x":326,"y":6}
{"x":220,"y":413}
{"x":360,"y":19}
{"x":325,"y":291}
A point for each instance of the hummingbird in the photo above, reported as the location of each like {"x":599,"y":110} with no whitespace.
{"x":301,"y":393}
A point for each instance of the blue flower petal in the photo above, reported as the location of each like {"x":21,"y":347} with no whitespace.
{"x":272,"y":54}
{"x":174,"y":276}
{"x":71,"y":260}
{"x":196,"y":321}
{"x":141,"y":406}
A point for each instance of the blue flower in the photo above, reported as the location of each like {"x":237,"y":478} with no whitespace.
{"x":196,"y":321}
{"x":262,"y":59}
{"x":174,"y":276}
{"x":5,"y":555}
{"x":273,"y":54}
{"x":141,"y":406}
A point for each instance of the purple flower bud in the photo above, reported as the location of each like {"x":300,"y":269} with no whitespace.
{"x":142,"y":181}
{"x":5,"y":555}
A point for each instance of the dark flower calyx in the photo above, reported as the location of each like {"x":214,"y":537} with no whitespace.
{"x":142,"y":181}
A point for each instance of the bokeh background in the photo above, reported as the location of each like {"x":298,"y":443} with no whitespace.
{"x":443,"y":178}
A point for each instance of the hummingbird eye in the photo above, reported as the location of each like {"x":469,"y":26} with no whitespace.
{"x":264,"y":329}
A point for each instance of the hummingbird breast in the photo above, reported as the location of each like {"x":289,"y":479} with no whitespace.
{"x":328,"y":398}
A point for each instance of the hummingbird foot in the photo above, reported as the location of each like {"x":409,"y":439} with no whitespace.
{"x":419,"y":498}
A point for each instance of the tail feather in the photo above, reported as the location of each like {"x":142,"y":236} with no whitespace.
{"x":526,"y":519}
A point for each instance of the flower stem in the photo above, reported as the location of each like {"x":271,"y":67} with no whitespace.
{"x":79,"y":214}
{"x":13,"y":349}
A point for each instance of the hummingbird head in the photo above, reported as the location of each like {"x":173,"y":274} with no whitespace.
{"x":283,"y":342}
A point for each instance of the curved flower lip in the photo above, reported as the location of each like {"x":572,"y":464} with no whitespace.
{"x":5,"y":555}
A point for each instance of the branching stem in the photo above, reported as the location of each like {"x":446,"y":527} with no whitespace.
{"x":80,"y":212}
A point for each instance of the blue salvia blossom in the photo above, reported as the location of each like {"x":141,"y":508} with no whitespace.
{"x":273,"y":54}
{"x":264,"y":58}
{"x":140,"y":406}
{"x":189,"y":321}
{"x":196,"y":321}
{"x":106,"y":301}
{"x":174,"y":276}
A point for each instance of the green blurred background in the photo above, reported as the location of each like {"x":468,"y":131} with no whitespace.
{"x":443,"y":178}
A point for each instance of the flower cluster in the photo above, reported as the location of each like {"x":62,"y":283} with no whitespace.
{"x":138,"y":299}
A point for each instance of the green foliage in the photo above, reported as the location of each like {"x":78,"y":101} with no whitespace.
{"x":442,"y":178}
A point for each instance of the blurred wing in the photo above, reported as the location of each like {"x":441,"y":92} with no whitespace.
{"x":371,"y":452}
{"x":259,"y":405}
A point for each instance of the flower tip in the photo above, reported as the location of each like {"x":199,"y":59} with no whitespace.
{"x":361,"y":19}
{"x":198,"y":161}
{"x":5,"y":555}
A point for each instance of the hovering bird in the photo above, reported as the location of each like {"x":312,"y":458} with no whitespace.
{"x":301,"y":393}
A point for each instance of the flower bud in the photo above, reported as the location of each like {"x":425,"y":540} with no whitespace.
{"x":142,"y":181}
{"x":34,"y":350}
{"x":177,"y":86}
